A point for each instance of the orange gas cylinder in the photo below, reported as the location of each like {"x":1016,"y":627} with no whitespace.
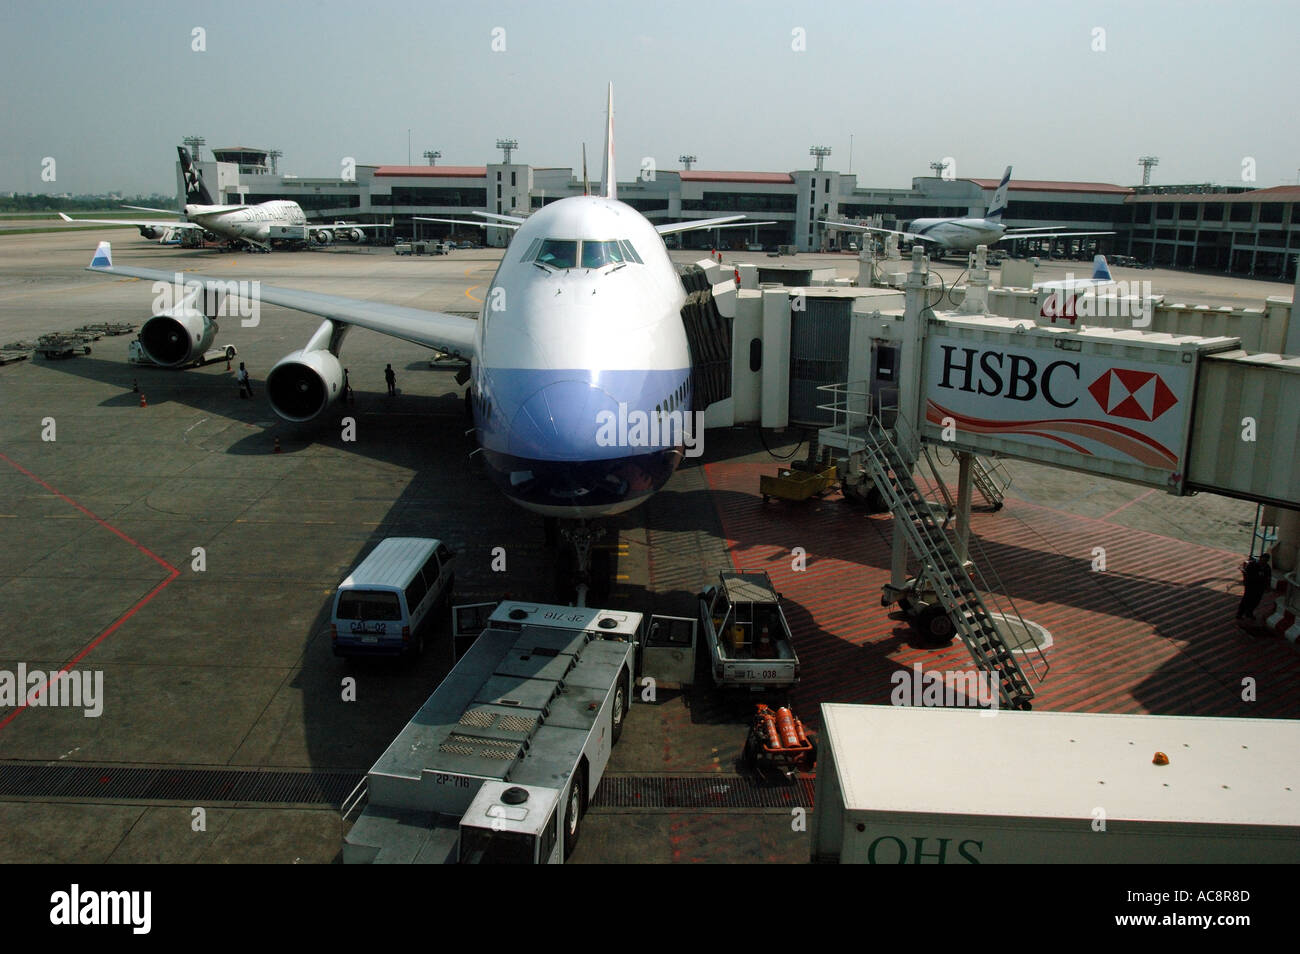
{"x":785,"y":725}
{"x":767,"y":726}
{"x":798,"y":730}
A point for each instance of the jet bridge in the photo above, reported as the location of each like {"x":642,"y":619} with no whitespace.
{"x":1181,"y":413}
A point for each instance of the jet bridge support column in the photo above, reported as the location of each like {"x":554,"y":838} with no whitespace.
{"x":964,"y":484}
{"x":909,"y":389}
{"x":1292,"y":345}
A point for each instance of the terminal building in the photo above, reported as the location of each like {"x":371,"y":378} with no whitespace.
{"x":1228,"y":229}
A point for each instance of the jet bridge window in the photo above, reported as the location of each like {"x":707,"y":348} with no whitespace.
{"x":558,"y":253}
{"x":600,"y":254}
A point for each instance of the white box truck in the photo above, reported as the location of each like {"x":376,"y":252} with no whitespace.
{"x":904,"y":785}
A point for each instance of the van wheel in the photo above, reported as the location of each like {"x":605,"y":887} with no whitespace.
{"x":620,"y":707}
{"x":573,"y":812}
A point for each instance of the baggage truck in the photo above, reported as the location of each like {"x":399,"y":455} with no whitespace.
{"x":500,"y":763}
{"x":746,"y":632}
{"x":916,"y":785}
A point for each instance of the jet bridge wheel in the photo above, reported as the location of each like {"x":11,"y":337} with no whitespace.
{"x":934,"y":621}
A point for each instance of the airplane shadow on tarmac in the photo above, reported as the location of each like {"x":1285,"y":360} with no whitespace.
{"x":322,"y":503}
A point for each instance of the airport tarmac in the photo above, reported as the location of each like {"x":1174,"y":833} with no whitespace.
{"x":219,"y":688}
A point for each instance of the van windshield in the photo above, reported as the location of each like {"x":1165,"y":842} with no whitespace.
{"x":369,"y":605}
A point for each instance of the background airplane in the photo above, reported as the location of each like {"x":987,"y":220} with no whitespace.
{"x":582,"y":320}
{"x":964,"y":234}
{"x":250,"y":224}
{"x":1065,"y":292}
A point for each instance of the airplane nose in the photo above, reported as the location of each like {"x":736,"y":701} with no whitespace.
{"x":560,"y":422}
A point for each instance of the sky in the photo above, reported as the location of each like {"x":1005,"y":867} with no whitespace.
{"x":1071,"y":91}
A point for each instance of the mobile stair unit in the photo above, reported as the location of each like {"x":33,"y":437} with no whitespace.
{"x":863,"y":435}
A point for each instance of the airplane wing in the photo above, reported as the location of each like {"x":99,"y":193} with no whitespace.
{"x":142,"y":208}
{"x":671,"y":228}
{"x":739,"y":225}
{"x":871,"y":228}
{"x":517,"y":220}
{"x":482,"y":225}
{"x":137,"y":223}
{"x":453,"y":334}
{"x":349,"y":225}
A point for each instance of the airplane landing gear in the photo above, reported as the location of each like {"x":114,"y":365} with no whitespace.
{"x":583,"y":568}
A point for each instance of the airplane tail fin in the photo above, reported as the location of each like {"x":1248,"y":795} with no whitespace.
{"x":103,"y":257}
{"x":1100,"y":269}
{"x":999,"y":203}
{"x":196,"y":193}
{"x":609,"y":187}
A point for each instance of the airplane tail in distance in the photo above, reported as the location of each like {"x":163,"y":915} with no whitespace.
{"x":196,"y":193}
{"x":999,"y":203}
{"x":609,"y":186}
{"x":1100,"y":269}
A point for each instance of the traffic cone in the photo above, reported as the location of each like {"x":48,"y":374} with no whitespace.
{"x":143,"y":402}
{"x":277,"y":445}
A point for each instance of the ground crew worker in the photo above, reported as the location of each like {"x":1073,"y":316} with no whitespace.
{"x":245,"y":386}
{"x":1257,"y":576}
{"x":391,"y":378}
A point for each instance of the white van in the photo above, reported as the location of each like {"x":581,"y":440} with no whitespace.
{"x":386,"y":605}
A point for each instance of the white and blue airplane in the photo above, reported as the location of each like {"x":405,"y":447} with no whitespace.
{"x":965,"y":233}
{"x":581,"y":324}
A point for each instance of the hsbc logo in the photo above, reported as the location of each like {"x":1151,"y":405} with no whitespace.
{"x":1136,"y":395}
{"x":1016,"y":377}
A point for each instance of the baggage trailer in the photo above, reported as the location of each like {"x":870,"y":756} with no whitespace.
{"x":917,"y":785}
{"x":135,"y":354}
{"x":501,"y":761}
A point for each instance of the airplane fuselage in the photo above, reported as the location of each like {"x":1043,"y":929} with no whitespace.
{"x":252,"y":223}
{"x":961,"y":235}
{"x":574,"y":334}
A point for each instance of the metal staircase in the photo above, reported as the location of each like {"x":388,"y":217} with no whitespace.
{"x":941,"y":567}
{"x":991,"y":479}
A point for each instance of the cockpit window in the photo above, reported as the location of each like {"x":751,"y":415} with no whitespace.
{"x":630,"y":252}
{"x":558,"y":253}
{"x":600,"y":254}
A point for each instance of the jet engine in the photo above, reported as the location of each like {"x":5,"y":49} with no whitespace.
{"x":304,"y":383}
{"x":351,"y":235}
{"x":151,"y":232}
{"x":177,"y":336}
{"x":322,"y":236}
